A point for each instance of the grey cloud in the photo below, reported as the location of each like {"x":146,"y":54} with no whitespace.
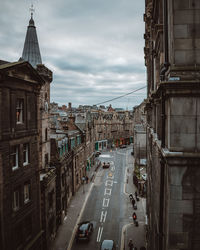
{"x":94,"y":48}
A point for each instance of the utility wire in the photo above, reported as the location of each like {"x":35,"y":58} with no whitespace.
{"x":121,"y":96}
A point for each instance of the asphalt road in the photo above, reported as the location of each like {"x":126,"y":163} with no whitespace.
{"x":107,"y":204}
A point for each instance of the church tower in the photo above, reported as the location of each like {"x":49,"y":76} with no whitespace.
{"x":31,"y":51}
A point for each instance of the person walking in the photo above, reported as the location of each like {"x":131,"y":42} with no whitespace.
{"x":130,"y":244}
{"x":134,"y":217}
{"x":133,"y":202}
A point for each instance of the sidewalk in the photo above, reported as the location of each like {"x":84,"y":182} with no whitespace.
{"x":137,"y":234}
{"x":65,"y":231}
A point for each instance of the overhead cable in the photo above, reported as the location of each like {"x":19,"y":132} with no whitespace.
{"x":121,"y":96}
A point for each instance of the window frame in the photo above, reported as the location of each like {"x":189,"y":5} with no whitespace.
{"x":20,"y":109}
{"x":27,"y":190}
{"x":26,"y":151}
{"x":15,"y":153}
{"x":16,"y":200}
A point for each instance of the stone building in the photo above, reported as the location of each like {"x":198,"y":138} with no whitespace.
{"x":172,"y":57}
{"x":139,"y":136}
{"x":62,"y":160}
{"x":112,"y":128}
{"x":20,"y":214}
{"x":85,"y":123}
{"x":31,"y":53}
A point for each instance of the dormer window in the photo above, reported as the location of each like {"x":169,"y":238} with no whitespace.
{"x":20,"y":111}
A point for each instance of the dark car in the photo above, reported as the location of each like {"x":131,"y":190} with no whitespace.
{"x":97,"y":153}
{"x":106,"y":164}
{"x":84,"y":231}
{"x":108,"y":245}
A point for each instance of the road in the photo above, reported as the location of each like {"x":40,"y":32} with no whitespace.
{"x":107,"y":204}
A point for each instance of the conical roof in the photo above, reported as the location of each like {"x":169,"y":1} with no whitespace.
{"x":31,"y":51}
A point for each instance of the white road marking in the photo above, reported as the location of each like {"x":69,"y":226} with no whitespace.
{"x":107,"y":191}
{"x":99,"y":234}
{"x":105,"y":202}
{"x":103,"y":216}
{"x":113,"y":168}
{"x":109,"y":183}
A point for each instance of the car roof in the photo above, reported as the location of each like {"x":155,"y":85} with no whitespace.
{"x":84,"y":224}
{"x":107,"y":244}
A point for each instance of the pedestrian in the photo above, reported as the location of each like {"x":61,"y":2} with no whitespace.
{"x":136,"y":195}
{"x":130,"y":244}
{"x":130,"y":196}
{"x":134,"y":216}
{"x":133,"y":202}
{"x":86,"y":179}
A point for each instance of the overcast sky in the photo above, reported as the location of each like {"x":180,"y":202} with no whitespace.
{"x":93,"y":47}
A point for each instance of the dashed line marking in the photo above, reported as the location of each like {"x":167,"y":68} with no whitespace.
{"x":103,"y":216}
{"x":100,"y":231}
{"x":107,"y":191}
{"x":109,"y":183}
{"x":105,"y":202}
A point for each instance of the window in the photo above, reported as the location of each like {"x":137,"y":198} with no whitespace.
{"x":20,"y":111}
{"x":14,"y":157}
{"x":46,"y":159}
{"x":25,"y":154}
{"x":46,"y":134}
{"x":27,"y":192}
{"x":16,"y":200}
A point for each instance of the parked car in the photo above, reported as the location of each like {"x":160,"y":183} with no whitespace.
{"x":106,"y":164}
{"x":122,"y":146}
{"x":108,"y":245}
{"x":84,"y":231}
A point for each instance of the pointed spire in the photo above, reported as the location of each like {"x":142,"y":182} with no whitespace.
{"x":31,"y":51}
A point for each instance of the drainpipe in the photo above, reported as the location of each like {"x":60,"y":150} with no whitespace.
{"x":161,"y":211}
{"x":166,"y":47}
{"x":163,"y":119}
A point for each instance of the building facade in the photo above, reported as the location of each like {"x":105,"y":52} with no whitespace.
{"x":31,"y":53}
{"x":172,"y":57}
{"x":20,"y":214}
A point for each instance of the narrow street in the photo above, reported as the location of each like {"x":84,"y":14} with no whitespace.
{"x":108,"y":206}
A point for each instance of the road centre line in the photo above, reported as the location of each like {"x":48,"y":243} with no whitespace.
{"x":99,"y":234}
{"x":113,"y":168}
{"x":105,"y":202}
{"x":109,"y":183}
{"x":107,"y":191}
{"x":103,"y":216}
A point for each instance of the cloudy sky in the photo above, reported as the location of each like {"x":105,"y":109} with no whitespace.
{"x":93,"y":47}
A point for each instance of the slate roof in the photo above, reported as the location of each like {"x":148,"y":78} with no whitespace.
{"x":31,"y":51}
